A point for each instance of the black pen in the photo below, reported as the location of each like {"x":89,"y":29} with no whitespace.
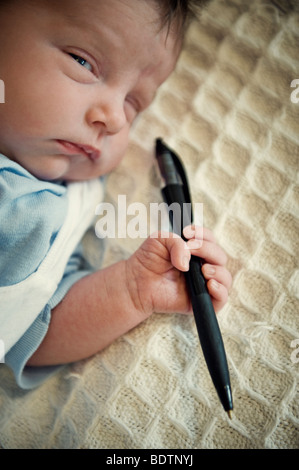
{"x":176,"y":191}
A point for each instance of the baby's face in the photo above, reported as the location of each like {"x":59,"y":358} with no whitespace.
{"x":77,"y":74}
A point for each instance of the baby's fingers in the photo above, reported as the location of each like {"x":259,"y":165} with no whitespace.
{"x":179,"y":252}
{"x":218,"y":293}
{"x":202,"y":243}
{"x":199,"y":233}
{"x":217,"y":273}
{"x":207,"y":250}
{"x":219,"y":281}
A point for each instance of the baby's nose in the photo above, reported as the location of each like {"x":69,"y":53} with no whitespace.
{"x":108,"y":113}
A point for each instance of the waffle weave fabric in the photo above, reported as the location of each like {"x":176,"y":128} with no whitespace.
{"x":231,"y":113}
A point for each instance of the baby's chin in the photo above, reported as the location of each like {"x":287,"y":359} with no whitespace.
{"x":47,"y":169}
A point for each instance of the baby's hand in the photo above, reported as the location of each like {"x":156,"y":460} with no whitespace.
{"x":218,"y":278}
{"x":155,"y":271}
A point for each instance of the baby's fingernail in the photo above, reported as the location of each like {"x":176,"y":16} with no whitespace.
{"x":210,"y":270}
{"x":194,"y":244}
{"x":214,"y":284}
{"x":189,"y":231}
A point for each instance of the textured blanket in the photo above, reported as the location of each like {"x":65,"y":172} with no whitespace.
{"x":231,"y":110}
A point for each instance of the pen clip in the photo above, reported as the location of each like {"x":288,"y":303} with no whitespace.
{"x":183,"y":175}
{"x":182,"y":172}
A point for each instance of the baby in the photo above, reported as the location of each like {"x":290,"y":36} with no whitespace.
{"x":77,"y":74}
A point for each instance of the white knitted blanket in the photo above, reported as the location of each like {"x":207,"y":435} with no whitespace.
{"x":231,"y":113}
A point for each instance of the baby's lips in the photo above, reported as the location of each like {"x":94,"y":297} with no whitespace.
{"x":92,"y":152}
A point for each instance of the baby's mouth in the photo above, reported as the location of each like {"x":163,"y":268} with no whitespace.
{"x":72,"y":148}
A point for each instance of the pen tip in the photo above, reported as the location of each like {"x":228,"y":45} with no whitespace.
{"x":160,"y":147}
{"x":230,"y":415}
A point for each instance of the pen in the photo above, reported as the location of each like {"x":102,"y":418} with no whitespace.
{"x":176,"y":191}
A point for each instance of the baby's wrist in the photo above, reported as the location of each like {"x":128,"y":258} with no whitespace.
{"x":137,"y":289}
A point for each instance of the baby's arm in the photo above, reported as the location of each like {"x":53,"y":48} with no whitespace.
{"x":108,"y":303}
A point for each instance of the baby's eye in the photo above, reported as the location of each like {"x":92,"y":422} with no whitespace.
{"x":134,"y":104}
{"x":132,"y":109}
{"x":82,"y":61}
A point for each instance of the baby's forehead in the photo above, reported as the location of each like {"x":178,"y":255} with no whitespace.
{"x":140,"y":16}
{"x":81,"y":12}
{"x":106,"y":27}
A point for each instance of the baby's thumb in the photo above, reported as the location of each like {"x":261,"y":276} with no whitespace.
{"x":179,"y":252}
